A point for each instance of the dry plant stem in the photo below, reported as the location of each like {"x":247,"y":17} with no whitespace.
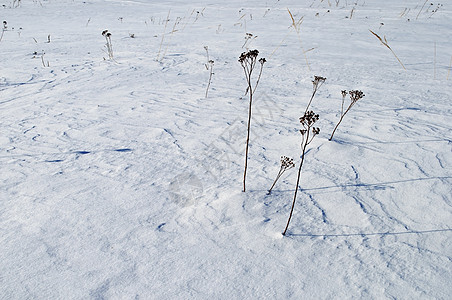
{"x":304,"y":145}
{"x":163,"y":35}
{"x":317,"y":83}
{"x":385,"y":42}
{"x":210,"y":76}
{"x":247,"y":144}
{"x":248,"y":130}
{"x":421,"y":9}
{"x":286,"y":164}
{"x":312,"y":97}
{"x":296,"y":26}
{"x":248,"y":61}
{"x":281,"y":171}
{"x":307,"y":122}
{"x":355,"y":97}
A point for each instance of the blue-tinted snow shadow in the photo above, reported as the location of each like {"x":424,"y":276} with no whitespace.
{"x":369,"y":233}
{"x":367,"y":186}
{"x":348,"y":142}
{"x":78,"y":152}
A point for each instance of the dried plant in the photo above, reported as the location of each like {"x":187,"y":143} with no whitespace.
{"x":4,"y":28}
{"x":109,"y":45}
{"x":248,"y":38}
{"x":286,"y":164}
{"x":163,"y":35}
{"x":316,"y":84}
{"x":248,"y":60}
{"x":43,"y":62}
{"x":308,"y":132}
{"x":296,"y":26}
{"x":210,"y":68}
{"x":385,"y":42}
{"x":354,"y":97}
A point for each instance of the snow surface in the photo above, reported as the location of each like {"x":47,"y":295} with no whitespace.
{"x":120,"y":180}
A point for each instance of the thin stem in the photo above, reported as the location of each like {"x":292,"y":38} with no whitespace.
{"x":421,"y":9}
{"x":304,"y":144}
{"x":397,"y":58}
{"x":281,"y":171}
{"x":259,"y":77}
{"x":248,"y":135}
{"x":210,"y":78}
{"x":331,"y":137}
{"x":312,"y":97}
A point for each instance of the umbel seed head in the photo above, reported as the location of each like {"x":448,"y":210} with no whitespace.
{"x":344,"y":93}
{"x":287,"y":162}
{"x":104,"y":32}
{"x":356,"y":95}
{"x":252,"y":54}
{"x":309,"y":118}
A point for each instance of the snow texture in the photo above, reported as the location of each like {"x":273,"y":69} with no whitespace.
{"x":120,"y":180}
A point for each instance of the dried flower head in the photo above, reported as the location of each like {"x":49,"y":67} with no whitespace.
{"x":344,"y":93}
{"x":318,"y":81}
{"x":104,"y":32}
{"x":262,"y":60}
{"x":287,"y":163}
{"x":315,"y":130}
{"x":355,"y":95}
{"x":252,"y":54}
{"x":309,"y":119}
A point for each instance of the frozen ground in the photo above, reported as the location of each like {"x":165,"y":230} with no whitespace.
{"x":120,"y":180}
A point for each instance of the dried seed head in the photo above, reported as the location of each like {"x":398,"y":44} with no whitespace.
{"x":108,"y":34}
{"x":309,"y":118}
{"x":287,"y":162}
{"x":355,"y":95}
{"x":262,"y":60}
{"x":252,"y":55}
{"x":344,"y":93}
{"x":104,"y":32}
{"x":315,"y":130}
{"x":318,"y":81}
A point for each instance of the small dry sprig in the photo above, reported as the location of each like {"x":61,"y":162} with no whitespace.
{"x":248,"y":61}
{"x":248,"y":38}
{"x":385,"y":43}
{"x":5,"y":27}
{"x":109,"y":46}
{"x":43,"y":62}
{"x":316,"y":84}
{"x":210,"y":68}
{"x":354,"y":97}
{"x":308,"y":132}
{"x":286,"y":164}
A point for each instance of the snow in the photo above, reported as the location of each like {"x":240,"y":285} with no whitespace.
{"x":120,"y":180}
